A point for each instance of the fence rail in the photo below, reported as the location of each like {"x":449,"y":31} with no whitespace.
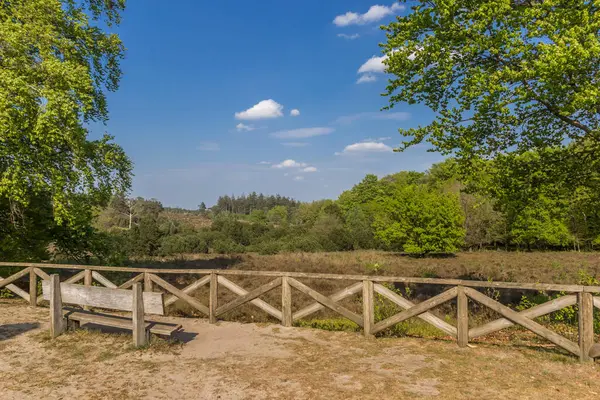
{"x":463,"y":291}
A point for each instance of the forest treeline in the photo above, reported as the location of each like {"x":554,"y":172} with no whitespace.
{"x":412,"y":212}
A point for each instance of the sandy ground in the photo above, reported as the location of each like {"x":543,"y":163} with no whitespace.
{"x":249,"y":361}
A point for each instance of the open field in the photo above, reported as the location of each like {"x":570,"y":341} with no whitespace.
{"x":547,"y":267}
{"x":260,"y":361}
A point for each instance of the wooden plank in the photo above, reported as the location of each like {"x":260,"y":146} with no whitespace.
{"x":337,"y":296}
{"x":326,"y":301}
{"x":129,"y":283}
{"x":116,"y":321}
{"x":185,"y":297}
{"x":597,"y":301}
{"x":263,"y":305}
{"x":32,"y":288}
{"x":140,"y":338}
{"x":251,"y":295}
{"x":213,"y":297}
{"x":286,"y":302}
{"x":585,"y":304}
{"x":102,"y":279}
{"x":114,"y":299}
{"x":76,"y":278}
{"x":57,"y":324}
{"x":41,"y":274}
{"x":188,"y":289}
{"x":17,"y":290}
{"x":426,"y":316}
{"x":531,"y":313}
{"x":523,"y":321}
{"x":432,"y":281}
{"x":462,"y":320}
{"x":368,"y":308}
{"x":14,"y":277}
{"x":415,"y":310}
{"x":148,"y":287}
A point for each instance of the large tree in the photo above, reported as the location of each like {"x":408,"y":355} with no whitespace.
{"x":57,"y":60}
{"x":501,"y":75}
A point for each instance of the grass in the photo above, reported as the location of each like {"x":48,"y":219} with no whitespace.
{"x":82,"y":344}
{"x":526,"y":267}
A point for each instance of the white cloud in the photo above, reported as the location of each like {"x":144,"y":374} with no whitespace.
{"x":373,"y":65}
{"x":289,"y":164}
{"x":366,"y":78}
{"x":299,"y":178}
{"x":384,"y":115}
{"x":310,"y":169}
{"x":302,"y":133}
{"x":264,"y":109}
{"x":242,"y":127}
{"x":295,"y":144}
{"x":374,"y":14}
{"x":349,"y":37}
{"x":366,"y":147}
{"x":209,"y":146}
{"x":295,"y":112}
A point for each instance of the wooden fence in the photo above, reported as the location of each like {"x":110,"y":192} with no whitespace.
{"x":463,"y":290}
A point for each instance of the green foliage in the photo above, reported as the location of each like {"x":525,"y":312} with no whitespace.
{"x":420,"y":220}
{"x":57,"y":63}
{"x":331,"y":324}
{"x":500,"y":75}
{"x":182,"y":244}
{"x":227,"y":246}
{"x":278,"y":215}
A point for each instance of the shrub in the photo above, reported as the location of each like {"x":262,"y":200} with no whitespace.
{"x":227,"y":246}
{"x":183,"y":243}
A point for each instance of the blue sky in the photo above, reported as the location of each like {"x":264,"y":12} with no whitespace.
{"x":205,"y":103}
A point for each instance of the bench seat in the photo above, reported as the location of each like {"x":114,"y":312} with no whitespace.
{"x":115,"y":321}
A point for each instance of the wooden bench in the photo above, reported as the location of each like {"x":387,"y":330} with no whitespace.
{"x":134,"y":300}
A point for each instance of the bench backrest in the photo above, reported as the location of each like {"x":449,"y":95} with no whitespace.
{"x":101,"y":297}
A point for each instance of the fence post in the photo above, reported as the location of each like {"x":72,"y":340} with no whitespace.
{"x":148,"y":284}
{"x":585,"y":303}
{"x":212,"y":299}
{"x":87,"y":281}
{"x":286,"y":302}
{"x":462,"y":319}
{"x":368,"y":308}
{"x":32,"y":288}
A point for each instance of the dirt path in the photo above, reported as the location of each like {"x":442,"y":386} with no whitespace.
{"x":248,"y":361}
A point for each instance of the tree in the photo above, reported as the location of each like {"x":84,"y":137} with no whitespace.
{"x":56,"y":62}
{"x":278,"y":215}
{"x":501,"y":75}
{"x":420,"y":220}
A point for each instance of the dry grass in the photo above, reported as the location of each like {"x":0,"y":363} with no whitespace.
{"x":248,"y":361}
{"x":547,"y":267}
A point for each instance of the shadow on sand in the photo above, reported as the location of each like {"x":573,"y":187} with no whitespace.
{"x":11,"y":330}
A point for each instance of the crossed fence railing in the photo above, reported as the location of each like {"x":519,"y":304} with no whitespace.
{"x":367,"y":285}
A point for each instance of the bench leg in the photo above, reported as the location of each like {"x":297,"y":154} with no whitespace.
{"x":72,"y":325}
{"x":57,"y":322}
{"x":140,"y":334}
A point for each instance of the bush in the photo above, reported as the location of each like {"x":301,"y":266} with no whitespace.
{"x":183,"y":243}
{"x":307,"y":243}
{"x":227,"y":246}
{"x":269,"y":247}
